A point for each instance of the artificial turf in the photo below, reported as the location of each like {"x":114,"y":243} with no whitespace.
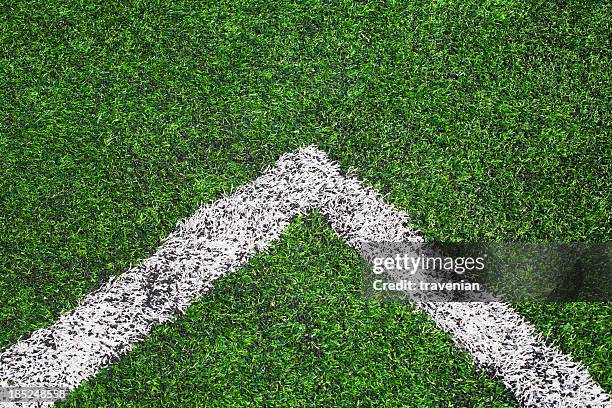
{"x":483,"y":121}
{"x":294,"y":329}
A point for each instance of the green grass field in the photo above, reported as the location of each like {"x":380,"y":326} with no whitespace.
{"x":483,"y":122}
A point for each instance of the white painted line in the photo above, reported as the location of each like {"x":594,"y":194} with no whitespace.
{"x":219,"y":238}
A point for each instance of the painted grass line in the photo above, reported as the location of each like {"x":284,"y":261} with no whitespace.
{"x":219,"y":238}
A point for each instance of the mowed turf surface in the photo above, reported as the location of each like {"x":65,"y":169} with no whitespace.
{"x":483,"y":122}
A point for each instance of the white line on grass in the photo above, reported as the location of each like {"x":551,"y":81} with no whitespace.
{"x":220,"y":238}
